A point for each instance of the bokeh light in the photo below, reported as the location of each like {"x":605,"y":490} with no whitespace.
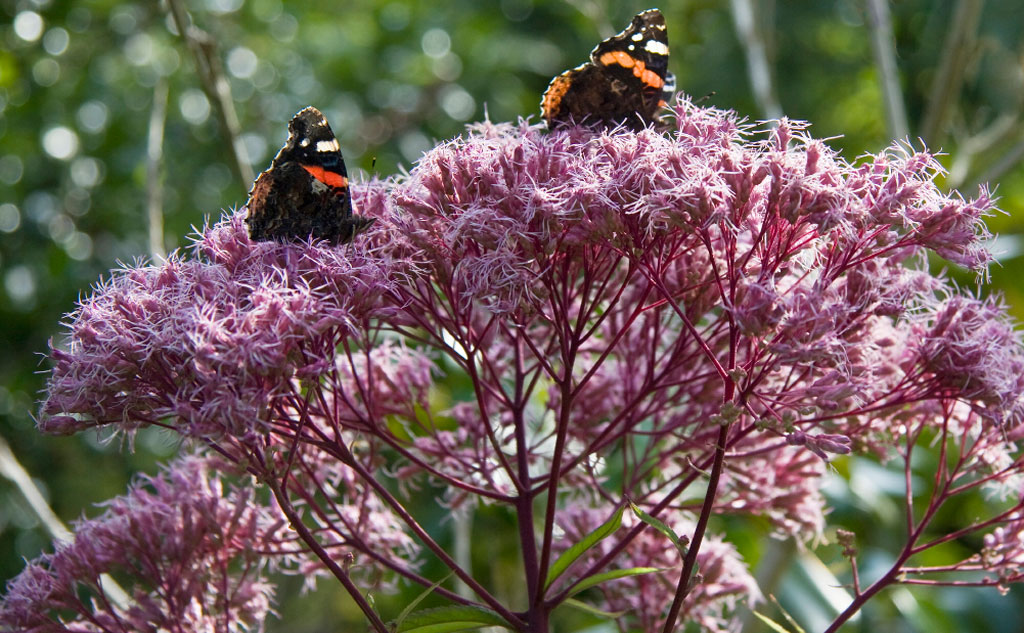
{"x":60,"y":142}
{"x":28,"y":25}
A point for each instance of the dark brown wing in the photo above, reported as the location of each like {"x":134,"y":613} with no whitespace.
{"x":288,"y":203}
{"x":590,"y":95}
{"x":626,"y":81}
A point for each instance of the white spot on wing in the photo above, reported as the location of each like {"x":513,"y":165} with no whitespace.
{"x":656,"y":48}
{"x":304,"y":142}
{"x":327,"y":146}
{"x":637,"y":37}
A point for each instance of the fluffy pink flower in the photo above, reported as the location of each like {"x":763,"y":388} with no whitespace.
{"x":205,"y":344}
{"x":969,"y":345}
{"x":536,"y":313}
{"x":725,"y":583}
{"x":193,"y":552}
{"x":1003,"y":553}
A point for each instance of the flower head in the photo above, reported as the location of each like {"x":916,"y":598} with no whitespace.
{"x":192,"y":550}
{"x":533,"y":313}
{"x":205,"y":343}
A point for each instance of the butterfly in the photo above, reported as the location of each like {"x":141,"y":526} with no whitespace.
{"x":305,"y":191}
{"x":625,"y":82}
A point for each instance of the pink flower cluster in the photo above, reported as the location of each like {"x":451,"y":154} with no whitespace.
{"x":642,"y":316}
{"x":204,"y":343}
{"x":192,"y":549}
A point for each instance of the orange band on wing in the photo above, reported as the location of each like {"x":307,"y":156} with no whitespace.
{"x":329,"y":178}
{"x":649,"y":77}
{"x":621,"y":58}
{"x":554,"y":94}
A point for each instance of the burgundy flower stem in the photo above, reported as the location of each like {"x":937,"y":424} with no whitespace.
{"x":995,"y":476}
{"x":984,"y":582}
{"x":370,"y":552}
{"x":308,"y":498}
{"x":599,"y":319}
{"x":610,"y":346}
{"x":327,"y":444}
{"x":361,"y":546}
{"x":524,"y":501}
{"x":349,"y":460}
{"x":690,"y":560}
{"x":606,"y":559}
{"x":1004,"y":517}
{"x":447,"y":594}
{"x":861,"y":598}
{"x":478,"y":382}
{"x":909,"y":549}
{"x":469,"y":365}
{"x":556,"y":463}
{"x":943,"y":569}
{"x":330,"y":445}
{"x":690,"y":328}
{"x":339,"y":573}
{"x":908,"y":488}
{"x":540,"y":355}
{"x":666,"y":500}
{"x":609,"y":433}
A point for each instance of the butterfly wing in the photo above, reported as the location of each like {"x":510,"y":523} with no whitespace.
{"x":638,"y":56}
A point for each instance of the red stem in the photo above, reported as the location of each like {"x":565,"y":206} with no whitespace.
{"x":325,"y":557}
{"x":690,"y":561}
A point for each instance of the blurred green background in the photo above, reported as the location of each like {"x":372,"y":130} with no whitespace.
{"x":80,"y":83}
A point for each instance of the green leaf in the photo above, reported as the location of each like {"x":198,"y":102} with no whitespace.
{"x":583,"y":606}
{"x":412,"y":605}
{"x":446,"y":619}
{"x":661,"y":527}
{"x":772,"y":624}
{"x":570,"y":555}
{"x":785,"y":614}
{"x":597,"y":579}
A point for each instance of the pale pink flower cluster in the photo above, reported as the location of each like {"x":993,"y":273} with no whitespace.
{"x":191,"y":549}
{"x":712,"y":312}
{"x":1003,"y":552}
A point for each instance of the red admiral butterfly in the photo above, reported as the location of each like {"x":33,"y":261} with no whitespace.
{"x":305,"y":191}
{"x":626,"y":80}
